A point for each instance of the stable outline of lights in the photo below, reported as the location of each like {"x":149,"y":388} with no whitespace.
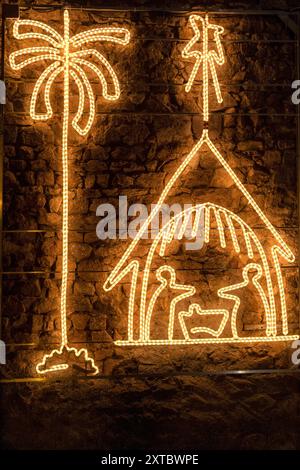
{"x":207,"y":58}
{"x":68,"y":63}
{"x":165,"y":236}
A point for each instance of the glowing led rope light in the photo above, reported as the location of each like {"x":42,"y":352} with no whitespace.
{"x":70,"y":64}
{"x":65,"y":186}
{"x":197,"y":219}
{"x":187,"y":223}
{"x":232,"y":233}
{"x":102,"y":34}
{"x":111,"y":71}
{"x":220,"y":227}
{"x":276,"y":251}
{"x":195,"y":308}
{"x":206,"y":58}
{"x":223,"y":340}
{"x":225,"y":219}
{"x":187,"y":292}
{"x":54,"y":70}
{"x":77,"y":76}
{"x":207,"y":225}
{"x":223,"y":293}
{"x":164,"y":235}
{"x":56,"y":40}
{"x":31,"y":60}
{"x":42,"y":368}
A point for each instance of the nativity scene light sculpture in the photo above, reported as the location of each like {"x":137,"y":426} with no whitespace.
{"x":263,"y":266}
{"x":72,"y":62}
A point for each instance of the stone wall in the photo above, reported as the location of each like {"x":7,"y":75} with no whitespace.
{"x":134,"y":146}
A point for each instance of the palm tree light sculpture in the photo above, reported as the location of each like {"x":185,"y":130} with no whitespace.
{"x":69,"y":60}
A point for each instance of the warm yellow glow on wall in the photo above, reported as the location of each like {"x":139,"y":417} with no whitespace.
{"x":126,"y":266}
{"x":71,"y":64}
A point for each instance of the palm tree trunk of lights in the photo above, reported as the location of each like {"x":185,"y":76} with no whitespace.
{"x":205,"y":73}
{"x":65,"y":185}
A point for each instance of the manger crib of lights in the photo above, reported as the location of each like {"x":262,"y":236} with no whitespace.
{"x":69,"y":58}
{"x":230,"y":229}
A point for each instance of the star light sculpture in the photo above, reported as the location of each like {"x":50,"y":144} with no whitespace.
{"x":70,"y":60}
